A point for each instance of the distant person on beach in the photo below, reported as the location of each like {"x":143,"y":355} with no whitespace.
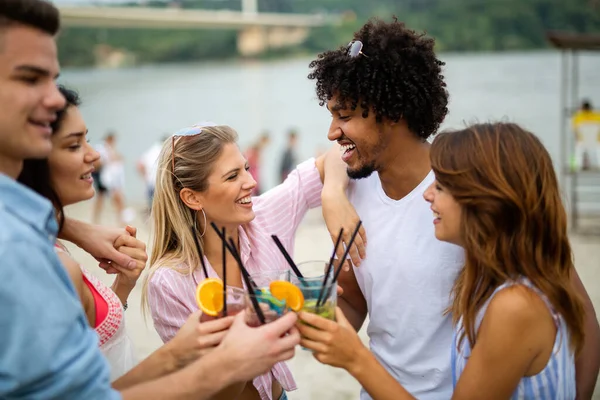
{"x":203,"y":178}
{"x":518,"y":320}
{"x":586,"y":127}
{"x":112,"y":178}
{"x":386,"y":94}
{"x":46,"y":346}
{"x":290,"y":158}
{"x":254,"y":156}
{"x":147,"y":166}
{"x":101,"y":190}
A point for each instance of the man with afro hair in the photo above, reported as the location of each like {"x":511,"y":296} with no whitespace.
{"x":386,"y":95}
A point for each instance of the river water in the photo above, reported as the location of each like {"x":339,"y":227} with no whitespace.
{"x":144,"y":103}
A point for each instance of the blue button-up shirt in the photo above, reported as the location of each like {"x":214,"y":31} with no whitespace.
{"x":47,"y":350}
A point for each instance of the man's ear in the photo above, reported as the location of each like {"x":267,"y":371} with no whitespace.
{"x":191,"y":198}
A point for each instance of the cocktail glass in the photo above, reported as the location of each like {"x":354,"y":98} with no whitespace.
{"x":236,"y":300}
{"x":271,"y":307}
{"x":319,"y":298}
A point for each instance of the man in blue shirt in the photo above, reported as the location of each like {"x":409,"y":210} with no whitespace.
{"x":39,"y":310}
{"x":47,"y":350}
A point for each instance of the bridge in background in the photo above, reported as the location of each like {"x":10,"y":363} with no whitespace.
{"x":258,"y":31}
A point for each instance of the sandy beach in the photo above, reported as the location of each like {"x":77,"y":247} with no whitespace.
{"x":315,"y":381}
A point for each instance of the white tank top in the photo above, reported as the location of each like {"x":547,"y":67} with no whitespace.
{"x":406,"y":280}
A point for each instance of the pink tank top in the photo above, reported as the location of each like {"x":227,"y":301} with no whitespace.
{"x":109,"y":311}
{"x":100,"y":304}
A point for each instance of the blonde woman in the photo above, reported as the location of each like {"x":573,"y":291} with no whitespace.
{"x":202,"y":178}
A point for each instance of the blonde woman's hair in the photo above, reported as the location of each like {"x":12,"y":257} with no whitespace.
{"x":189,"y":167}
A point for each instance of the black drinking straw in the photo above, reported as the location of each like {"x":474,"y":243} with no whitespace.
{"x":249,"y":282}
{"x":229,"y":247}
{"x":221,"y":235}
{"x":337,"y":272}
{"x":328,"y":271}
{"x":224,"y":277}
{"x":287,"y":256}
{"x":346,"y":252}
{"x":199,"y":249}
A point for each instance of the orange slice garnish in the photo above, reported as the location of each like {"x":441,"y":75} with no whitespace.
{"x":209,"y":296}
{"x":283,"y":290}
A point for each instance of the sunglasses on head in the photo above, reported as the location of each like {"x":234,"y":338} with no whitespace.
{"x":354,"y":49}
{"x":189,"y":131}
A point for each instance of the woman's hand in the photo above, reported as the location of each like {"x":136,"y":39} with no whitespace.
{"x":194,"y":339}
{"x":333,"y":343}
{"x":98,"y":241}
{"x":128,"y":244}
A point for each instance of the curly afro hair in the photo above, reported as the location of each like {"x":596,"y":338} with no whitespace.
{"x":398,"y":77}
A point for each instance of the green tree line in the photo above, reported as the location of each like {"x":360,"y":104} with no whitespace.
{"x":457,"y":26}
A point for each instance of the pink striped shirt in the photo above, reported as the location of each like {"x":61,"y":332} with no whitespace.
{"x":279,"y":211}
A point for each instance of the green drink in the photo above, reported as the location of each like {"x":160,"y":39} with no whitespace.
{"x":315,"y":289}
{"x":326,"y":310}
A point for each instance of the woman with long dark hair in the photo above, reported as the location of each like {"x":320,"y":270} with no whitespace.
{"x":65,"y":178}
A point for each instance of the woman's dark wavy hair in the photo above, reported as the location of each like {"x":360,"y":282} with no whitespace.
{"x":513,"y":221}
{"x":400,"y":77}
{"x":36,"y":173}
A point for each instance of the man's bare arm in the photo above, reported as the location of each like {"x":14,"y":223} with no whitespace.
{"x":193,"y":340}
{"x":243,"y":354}
{"x":200,"y":380}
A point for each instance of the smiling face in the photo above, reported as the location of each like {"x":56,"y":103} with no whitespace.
{"x":227,"y":199}
{"x":29,"y":98}
{"x":71,"y":160}
{"x":363,"y":143}
{"x":447,"y":213}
